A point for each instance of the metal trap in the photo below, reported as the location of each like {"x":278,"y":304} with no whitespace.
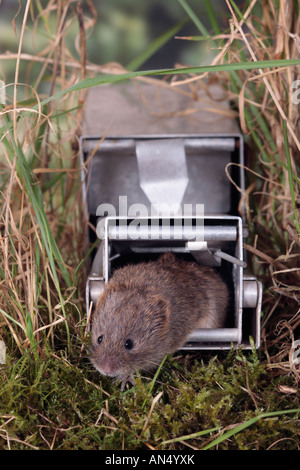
{"x":160,"y":181}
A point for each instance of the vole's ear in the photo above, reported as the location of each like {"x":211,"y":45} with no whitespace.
{"x":100,"y":302}
{"x":161,"y":310}
{"x":107,"y":294}
{"x":167,"y":258}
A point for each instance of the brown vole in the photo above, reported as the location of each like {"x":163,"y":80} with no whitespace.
{"x":148,"y":310}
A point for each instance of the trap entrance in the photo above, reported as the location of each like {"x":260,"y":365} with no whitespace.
{"x":221,"y":247}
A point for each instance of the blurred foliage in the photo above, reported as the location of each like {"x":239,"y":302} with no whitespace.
{"x":124,"y":28}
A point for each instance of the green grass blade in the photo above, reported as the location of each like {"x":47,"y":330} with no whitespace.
{"x":157,"y":373}
{"x":35,"y":196}
{"x":155,"y":378}
{"x":53,"y":181}
{"x":212,"y":16}
{"x":235,"y":77}
{"x":156,"y":45}
{"x":290,"y":175}
{"x":241,"y":17}
{"x":253,"y":110}
{"x":246,"y":424}
{"x":34,"y":193}
{"x":12,"y":319}
{"x":227,"y":67}
{"x":39,"y":139}
{"x":193,"y":17}
{"x":295,"y":177}
{"x":190,"y":436}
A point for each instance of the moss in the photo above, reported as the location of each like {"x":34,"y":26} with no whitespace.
{"x":53,"y":403}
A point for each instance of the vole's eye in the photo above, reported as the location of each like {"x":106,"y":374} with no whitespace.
{"x":129,"y":344}
{"x":99,"y":339}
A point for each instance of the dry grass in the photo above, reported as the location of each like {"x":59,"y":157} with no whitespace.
{"x":39,"y":278}
{"x":273,"y":199}
{"x":269,"y":118}
{"x":264,"y":101}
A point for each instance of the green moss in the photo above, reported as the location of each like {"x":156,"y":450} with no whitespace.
{"x":54,"y":403}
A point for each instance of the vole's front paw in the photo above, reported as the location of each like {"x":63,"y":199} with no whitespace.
{"x":124,"y":380}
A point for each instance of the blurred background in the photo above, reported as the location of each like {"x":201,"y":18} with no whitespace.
{"x":123,"y":30}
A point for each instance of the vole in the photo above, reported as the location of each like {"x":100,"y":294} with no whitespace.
{"x":148,"y":310}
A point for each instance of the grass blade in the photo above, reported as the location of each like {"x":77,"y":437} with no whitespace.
{"x":212,"y":17}
{"x":227,"y":67}
{"x":193,"y":17}
{"x":12,"y":319}
{"x":34,"y":193}
{"x":246,"y":424}
{"x":290,"y":175}
{"x":155,"y":378}
{"x":156,"y":45}
{"x":190,"y":436}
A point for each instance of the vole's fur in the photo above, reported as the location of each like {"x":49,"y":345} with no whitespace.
{"x":149,"y":309}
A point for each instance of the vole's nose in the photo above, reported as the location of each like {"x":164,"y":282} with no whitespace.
{"x":108,"y":368}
